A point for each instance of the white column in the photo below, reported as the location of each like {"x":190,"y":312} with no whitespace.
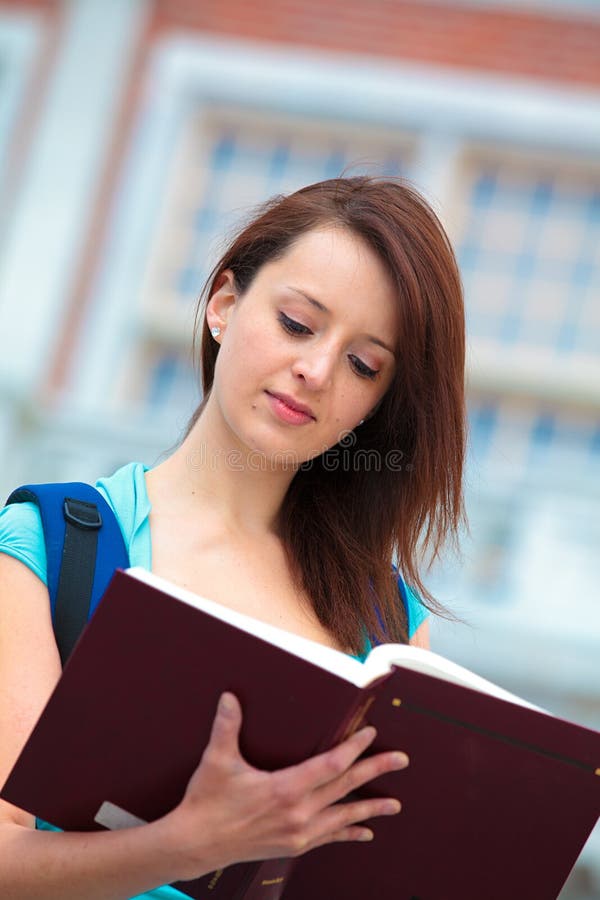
{"x":60,"y":181}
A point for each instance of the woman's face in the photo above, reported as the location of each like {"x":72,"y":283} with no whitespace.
{"x":307,"y":351}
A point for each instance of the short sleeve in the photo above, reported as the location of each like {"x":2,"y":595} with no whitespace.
{"x":416,"y":612}
{"x":22,"y":536}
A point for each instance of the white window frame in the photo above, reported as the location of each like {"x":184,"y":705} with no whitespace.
{"x":447,"y":109}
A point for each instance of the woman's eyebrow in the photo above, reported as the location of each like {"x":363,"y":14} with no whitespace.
{"x":322,"y":308}
{"x":312,"y":300}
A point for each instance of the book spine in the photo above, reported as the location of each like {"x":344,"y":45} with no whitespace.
{"x":224,"y":884}
{"x":270,"y":880}
{"x":267,"y":880}
{"x":356,"y":717}
{"x":260,"y":880}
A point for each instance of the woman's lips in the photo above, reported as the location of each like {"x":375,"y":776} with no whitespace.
{"x":289,"y":410}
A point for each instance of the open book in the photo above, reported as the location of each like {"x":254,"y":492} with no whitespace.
{"x":498,"y":799}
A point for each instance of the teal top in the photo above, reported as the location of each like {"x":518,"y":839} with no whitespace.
{"x":21,"y":536}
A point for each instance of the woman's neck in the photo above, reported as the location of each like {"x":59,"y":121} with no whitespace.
{"x":238,"y":487}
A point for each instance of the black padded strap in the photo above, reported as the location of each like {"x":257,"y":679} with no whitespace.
{"x":83,"y":520}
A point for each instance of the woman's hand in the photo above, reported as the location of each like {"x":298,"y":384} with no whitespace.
{"x":232,"y":812}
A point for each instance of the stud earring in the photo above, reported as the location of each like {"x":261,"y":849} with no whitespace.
{"x":215,"y":331}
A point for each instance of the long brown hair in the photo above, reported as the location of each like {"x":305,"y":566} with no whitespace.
{"x":396,"y":491}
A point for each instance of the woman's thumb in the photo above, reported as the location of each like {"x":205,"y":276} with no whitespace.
{"x":226,"y":726}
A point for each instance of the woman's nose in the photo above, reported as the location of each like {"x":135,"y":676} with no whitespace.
{"x":315,"y":369}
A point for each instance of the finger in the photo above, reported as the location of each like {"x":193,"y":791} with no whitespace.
{"x":348,"y":815}
{"x":225,"y":732}
{"x":326,"y":767}
{"x":352,"y":833}
{"x":359,"y":774}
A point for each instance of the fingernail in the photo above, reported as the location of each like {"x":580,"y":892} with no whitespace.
{"x":391,"y":807}
{"x":226,"y":703}
{"x":401,"y":760}
{"x":368,"y":731}
{"x":366,"y":836}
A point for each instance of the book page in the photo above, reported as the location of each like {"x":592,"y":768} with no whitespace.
{"x":378,"y":663}
{"x":384,"y":656}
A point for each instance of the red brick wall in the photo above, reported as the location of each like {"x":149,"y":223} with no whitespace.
{"x":551,"y":48}
{"x":556,"y":48}
{"x":29,"y":5}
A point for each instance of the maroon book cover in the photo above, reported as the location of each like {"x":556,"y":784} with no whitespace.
{"x":498,"y":799}
{"x":497,"y":802}
{"x":132,"y":712}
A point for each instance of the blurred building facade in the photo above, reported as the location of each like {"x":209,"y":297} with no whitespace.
{"x":134,"y":134}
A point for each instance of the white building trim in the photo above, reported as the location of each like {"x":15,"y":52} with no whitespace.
{"x":20,"y":40}
{"x":446,"y":108}
{"x":52,"y":215}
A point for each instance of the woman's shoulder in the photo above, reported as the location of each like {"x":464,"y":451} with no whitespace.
{"x":124,"y":482}
{"x":126,"y":493}
{"x":22,"y":536}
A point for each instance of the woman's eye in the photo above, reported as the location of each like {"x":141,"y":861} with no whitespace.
{"x":362,"y":368}
{"x":297,"y":328}
{"x":292,"y":326}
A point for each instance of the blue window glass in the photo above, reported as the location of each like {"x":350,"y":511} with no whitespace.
{"x":530,"y":262}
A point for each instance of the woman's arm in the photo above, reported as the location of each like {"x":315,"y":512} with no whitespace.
{"x":231,"y":812}
{"x":32,"y":864}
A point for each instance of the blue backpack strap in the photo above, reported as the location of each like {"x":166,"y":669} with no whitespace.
{"x":84,"y":546}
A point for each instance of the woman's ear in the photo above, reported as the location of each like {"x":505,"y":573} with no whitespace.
{"x":221,"y":302}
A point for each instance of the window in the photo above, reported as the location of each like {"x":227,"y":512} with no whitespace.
{"x":530,"y":257}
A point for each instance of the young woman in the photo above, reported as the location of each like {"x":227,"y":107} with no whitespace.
{"x":328,"y":447}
